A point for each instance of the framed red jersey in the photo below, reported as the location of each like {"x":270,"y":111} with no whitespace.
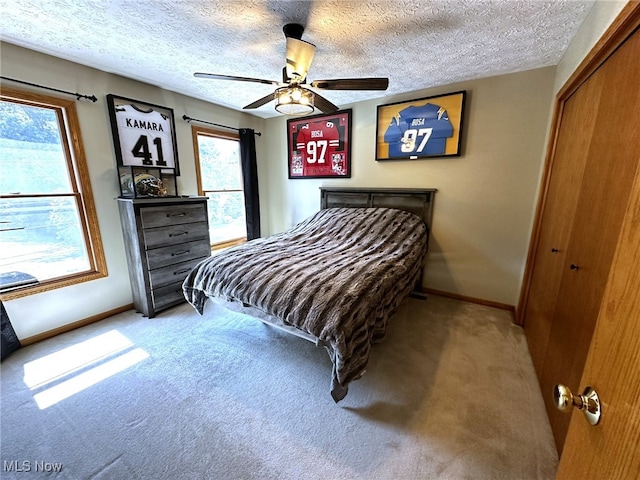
{"x":320,"y":146}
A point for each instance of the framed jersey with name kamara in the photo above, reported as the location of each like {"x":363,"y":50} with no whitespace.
{"x":320,"y":146}
{"x":143,"y":134}
{"x":427,"y":127}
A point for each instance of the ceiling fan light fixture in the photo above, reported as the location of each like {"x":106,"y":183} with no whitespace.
{"x":294,"y":100}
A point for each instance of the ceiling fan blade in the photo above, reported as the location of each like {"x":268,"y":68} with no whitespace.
{"x":324,"y":105}
{"x":215,"y":76}
{"x":352,"y":84}
{"x":258,"y":103}
{"x":299,"y":57}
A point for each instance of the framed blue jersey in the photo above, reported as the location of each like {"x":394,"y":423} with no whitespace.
{"x":428,"y":127}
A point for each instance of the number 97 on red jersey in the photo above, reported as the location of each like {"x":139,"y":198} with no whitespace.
{"x":319,"y":147}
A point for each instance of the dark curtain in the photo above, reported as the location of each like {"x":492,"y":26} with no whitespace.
{"x":250,"y":179}
{"x":10,"y":342}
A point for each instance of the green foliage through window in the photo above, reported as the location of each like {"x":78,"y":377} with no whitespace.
{"x":41,"y":231}
{"x":221,"y":182}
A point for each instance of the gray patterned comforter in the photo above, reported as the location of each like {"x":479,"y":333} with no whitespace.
{"x":339,"y":275}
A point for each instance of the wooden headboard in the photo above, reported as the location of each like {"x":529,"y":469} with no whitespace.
{"x":414,"y":200}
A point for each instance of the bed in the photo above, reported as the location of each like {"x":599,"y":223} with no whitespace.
{"x":335,"y":278}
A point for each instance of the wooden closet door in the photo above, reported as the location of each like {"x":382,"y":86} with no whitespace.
{"x":612,"y":448}
{"x":575,"y":133}
{"x":612,"y":157}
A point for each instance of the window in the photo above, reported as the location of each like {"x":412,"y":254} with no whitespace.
{"x":219,"y":175}
{"x":49,"y":230}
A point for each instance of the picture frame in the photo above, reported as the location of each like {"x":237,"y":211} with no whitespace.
{"x":143,"y":134}
{"x":423,"y":128}
{"x":319,"y":146}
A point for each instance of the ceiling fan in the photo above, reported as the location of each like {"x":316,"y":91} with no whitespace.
{"x":293,"y":96}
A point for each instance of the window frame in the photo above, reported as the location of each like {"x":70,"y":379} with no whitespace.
{"x":73,"y":149}
{"x":210,"y":132}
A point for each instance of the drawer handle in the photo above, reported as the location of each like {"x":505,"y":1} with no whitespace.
{"x":176,"y":214}
{"x":181,"y":271}
{"x":179,"y":253}
{"x":178,"y":234}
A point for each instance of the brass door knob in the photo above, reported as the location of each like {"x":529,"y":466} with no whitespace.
{"x":588,"y":402}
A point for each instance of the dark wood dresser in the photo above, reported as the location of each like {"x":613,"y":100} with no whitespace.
{"x":164,"y":239}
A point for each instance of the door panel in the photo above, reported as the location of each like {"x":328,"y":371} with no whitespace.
{"x":612,"y":449}
{"x":612,"y":160}
{"x":574,"y":135}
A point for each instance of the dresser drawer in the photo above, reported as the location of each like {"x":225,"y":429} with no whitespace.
{"x":186,"y":232}
{"x":161,"y":257}
{"x":167,"y":295}
{"x":172,"y":273}
{"x":171,"y":215}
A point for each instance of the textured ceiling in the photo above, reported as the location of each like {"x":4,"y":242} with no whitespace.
{"x":416,"y":43}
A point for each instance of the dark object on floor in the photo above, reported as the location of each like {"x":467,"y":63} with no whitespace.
{"x":10,"y":342}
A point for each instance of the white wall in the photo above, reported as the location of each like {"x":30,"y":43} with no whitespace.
{"x":483,"y":212}
{"x":486,"y":197}
{"x":600,"y":17}
{"x":39,"y":313}
{"x":486,"y":202}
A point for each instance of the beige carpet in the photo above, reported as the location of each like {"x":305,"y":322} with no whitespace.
{"x":449,"y":394}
